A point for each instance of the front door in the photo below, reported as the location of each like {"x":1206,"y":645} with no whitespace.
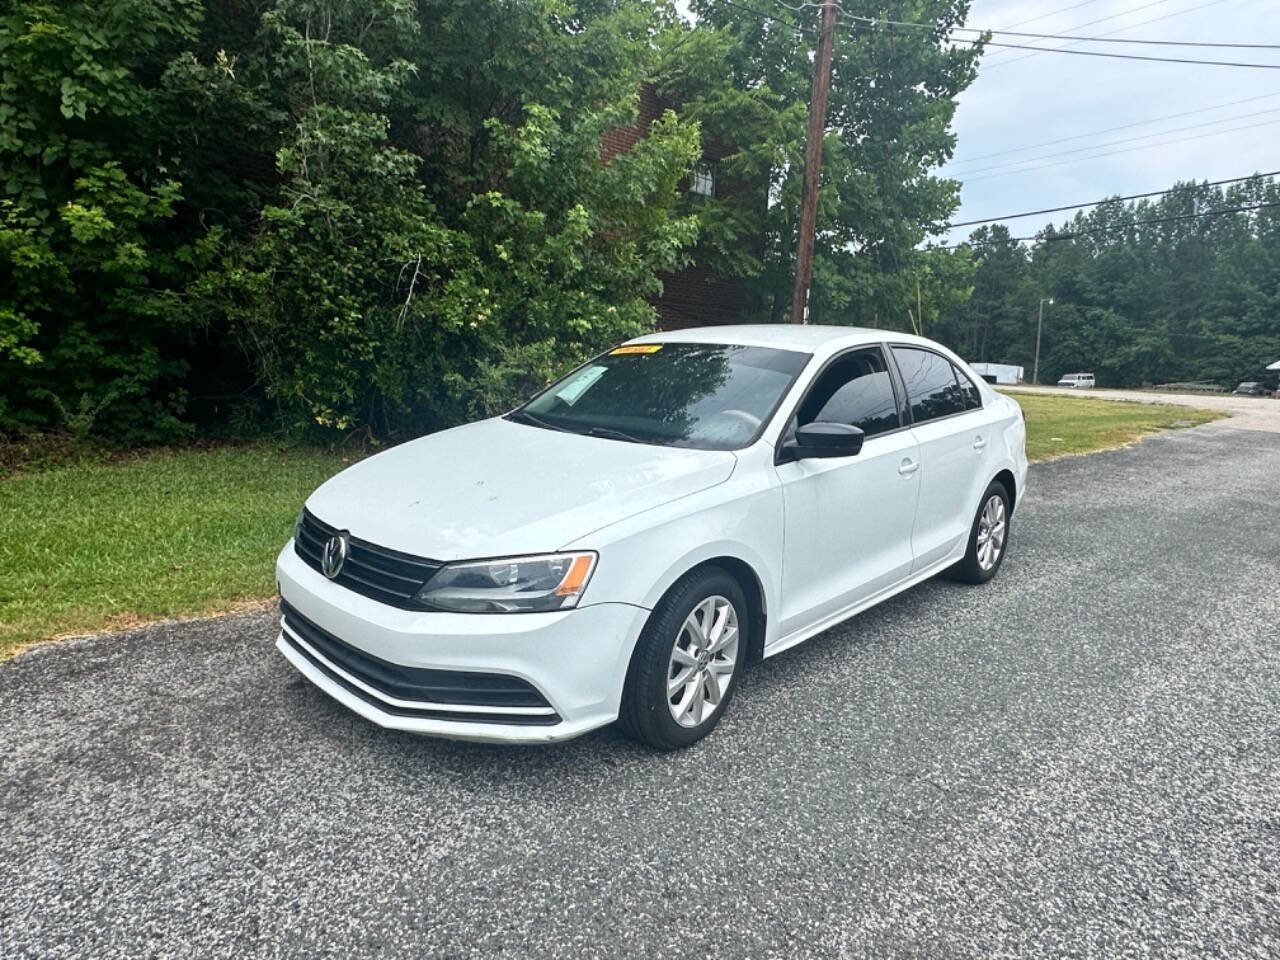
{"x":848,"y":520}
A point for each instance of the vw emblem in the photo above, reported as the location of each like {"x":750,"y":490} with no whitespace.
{"x":335,"y":555}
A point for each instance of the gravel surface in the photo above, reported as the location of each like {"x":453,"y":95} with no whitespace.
{"x":1081,"y":758}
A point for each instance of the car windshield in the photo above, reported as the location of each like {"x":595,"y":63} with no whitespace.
{"x":701,"y":395}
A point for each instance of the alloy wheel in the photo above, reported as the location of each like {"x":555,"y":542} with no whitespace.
{"x":992,"y":526}
{"x":702,"y":661}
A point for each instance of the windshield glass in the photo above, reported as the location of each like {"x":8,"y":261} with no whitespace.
{"x":702,"y":395}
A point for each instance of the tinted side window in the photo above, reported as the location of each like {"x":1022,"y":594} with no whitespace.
{"x":856,"y":390}
{"x":932,"y":388}
{"x":968,"y":390}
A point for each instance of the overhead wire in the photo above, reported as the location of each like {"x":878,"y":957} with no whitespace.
{"x":1116,"y":143}
{"x":1112,"y":153}
{"x":1109,"y":17}
{"x":1107,"y":200}
{"x":1123,"y":226}
{"x":1105,"y":38}
{"x":1131,"y":26}
{"x":1051,"y":13}
{"x":1123,"y":126}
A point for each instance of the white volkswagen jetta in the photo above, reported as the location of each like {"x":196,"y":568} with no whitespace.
{"x":622,"y":545}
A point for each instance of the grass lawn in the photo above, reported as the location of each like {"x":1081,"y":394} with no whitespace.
{"x":1059,"y":425}
{"x":103,"y":545}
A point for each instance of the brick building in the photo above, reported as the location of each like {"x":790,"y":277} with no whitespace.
{"x":692,"y":297}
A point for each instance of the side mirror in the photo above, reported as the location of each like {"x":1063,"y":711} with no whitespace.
{"x":825,"y":439}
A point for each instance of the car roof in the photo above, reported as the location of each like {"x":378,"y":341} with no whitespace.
{"x":815,"y":338}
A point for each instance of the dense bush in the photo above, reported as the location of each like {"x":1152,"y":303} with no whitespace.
{"x":396,"y":211}
{"x":89,"y":329}
{"x":380,"y":217}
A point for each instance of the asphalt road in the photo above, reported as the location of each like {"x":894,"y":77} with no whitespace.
{"x":1082,"y":758}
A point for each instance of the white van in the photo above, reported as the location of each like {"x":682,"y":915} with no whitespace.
{"x":1077,"y":381}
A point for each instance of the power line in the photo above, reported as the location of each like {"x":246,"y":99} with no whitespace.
{"x":1112,"y":153}
{"x":1113,"y":16}
{"x":1116,"y":143}
{"x":1051,"y":13}
{"x":1094,"y":22}
{"x":1108,"y":200}
{"x":1123,"y":126}
{"x":761,"y":15}
{"x":1124,"y":226}
{"x":1058,"y":36}
{"x":1133,"y":56}
{"x":1132,"y":26}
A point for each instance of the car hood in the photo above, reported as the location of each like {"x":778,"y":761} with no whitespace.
{"x":498,"y":488}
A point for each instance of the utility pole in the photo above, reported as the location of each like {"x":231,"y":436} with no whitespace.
{"x":1035,"y":371}
{"x":813,"y":163}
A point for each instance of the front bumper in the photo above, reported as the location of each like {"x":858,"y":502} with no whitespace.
{"x":575,"y":659}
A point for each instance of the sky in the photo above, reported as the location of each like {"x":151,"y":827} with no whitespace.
{"x":1022,"y":99}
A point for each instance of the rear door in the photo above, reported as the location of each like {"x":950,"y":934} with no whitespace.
{"x":848,"y":519}
{"x":952,"y":429}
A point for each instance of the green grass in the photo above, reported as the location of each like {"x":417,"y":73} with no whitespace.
{"x":1060,"y":425}
{"x":100,"y":545}
{"x":92,"y":545}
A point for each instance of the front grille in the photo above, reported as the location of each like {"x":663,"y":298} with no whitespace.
{"x":388,"y":576}
{"x":427,"y":688}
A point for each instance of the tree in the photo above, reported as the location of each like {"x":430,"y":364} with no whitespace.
{"x":1179,"y":288}
{"x":87,"y":330}
{"x":746,"y":80}
{"x":445,"y":234}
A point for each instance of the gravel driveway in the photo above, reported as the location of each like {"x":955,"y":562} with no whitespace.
{"x":1082,"y":758}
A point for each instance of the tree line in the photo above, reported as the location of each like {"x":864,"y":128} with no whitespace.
{"x":384,"y":216}
{"x":381,"y":217}
{"x":1181,"y":288}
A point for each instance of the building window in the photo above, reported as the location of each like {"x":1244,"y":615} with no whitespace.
{"x":703,"y":182}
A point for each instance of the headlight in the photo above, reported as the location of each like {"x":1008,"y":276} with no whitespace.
{"x":553,"y":581}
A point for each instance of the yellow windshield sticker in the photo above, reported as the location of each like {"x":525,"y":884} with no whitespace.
{"x":635,"y":348}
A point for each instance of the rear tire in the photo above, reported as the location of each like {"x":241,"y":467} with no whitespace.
{"x":988,"y":537}
{"x":687,"y":661}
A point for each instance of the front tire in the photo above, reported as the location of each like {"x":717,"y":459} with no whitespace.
{"x":988,"y":538}
{"x":687,"y":661}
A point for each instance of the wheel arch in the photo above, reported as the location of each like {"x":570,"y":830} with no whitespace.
{"x":1006,"y":479}
{"x":752,"y":585}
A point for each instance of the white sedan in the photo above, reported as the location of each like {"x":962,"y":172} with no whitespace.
{"x":624,"y":544}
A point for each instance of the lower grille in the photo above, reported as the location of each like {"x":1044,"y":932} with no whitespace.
{"x":435,"y":694}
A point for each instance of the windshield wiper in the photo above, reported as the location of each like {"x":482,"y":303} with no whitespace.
{"x":608,"y":433}
{"x":524,"y":416}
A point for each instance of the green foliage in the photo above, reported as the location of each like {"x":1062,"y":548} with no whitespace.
{"x":381,"y":216}
{"x":445,"y":236}
{"x":892,"y":98}
{"x":1143,"y":294}
{"x":85,"y":313}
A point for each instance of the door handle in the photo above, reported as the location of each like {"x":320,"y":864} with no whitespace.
{"x":908,"y":467}
{"x":979,"y":444}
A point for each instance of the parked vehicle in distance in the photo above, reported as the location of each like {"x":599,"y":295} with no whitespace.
{"x":1006,"y":373}
{"x":1078,"y":381}
{"x":1252,"y":388}
{"x":623,"y":544}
